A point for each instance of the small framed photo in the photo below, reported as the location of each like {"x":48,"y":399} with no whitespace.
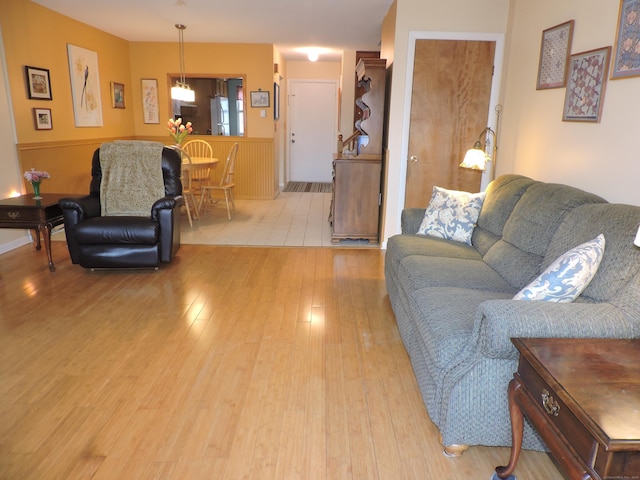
{"x":117,"y":95}
{"x":42,"y":117}
{"x":586,"y":85}
{"x":259,"y":99}
{"x":626,"y":58}
{"x":38,"y":83}
{"x":555,"y":50}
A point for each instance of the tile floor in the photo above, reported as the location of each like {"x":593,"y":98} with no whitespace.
{"x":292,"y":219}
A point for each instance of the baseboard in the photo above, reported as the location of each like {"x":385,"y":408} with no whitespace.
{"x":19,"y":242}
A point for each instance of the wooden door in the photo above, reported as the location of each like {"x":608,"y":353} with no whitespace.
{"x":313,"y":134}
{"x":449,"y":108}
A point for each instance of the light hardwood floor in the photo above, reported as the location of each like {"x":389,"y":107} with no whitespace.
{"x":230,"y":363}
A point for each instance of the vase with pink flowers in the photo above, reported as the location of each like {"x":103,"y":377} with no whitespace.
{"x":35,"y":177}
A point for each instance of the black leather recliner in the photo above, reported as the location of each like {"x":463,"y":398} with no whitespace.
{"x":125,"y":241}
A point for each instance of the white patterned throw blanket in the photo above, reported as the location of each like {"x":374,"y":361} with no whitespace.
{"x":131,"y":177}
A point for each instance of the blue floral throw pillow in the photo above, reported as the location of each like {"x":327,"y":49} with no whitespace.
{"x":452,"y":215}
{"x":567,"y":277}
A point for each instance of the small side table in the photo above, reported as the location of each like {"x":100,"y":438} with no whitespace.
{"x":38,"y":215}
{"x":583,"y":398}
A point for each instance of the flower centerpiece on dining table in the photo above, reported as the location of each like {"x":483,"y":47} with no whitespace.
{"x":178,"y":131}
{"x":35,"y":177}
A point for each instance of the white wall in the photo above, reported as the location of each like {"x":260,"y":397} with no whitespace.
{"x":412,"y":16}
{"x":602,"y":158}
{"x":10,"y":180}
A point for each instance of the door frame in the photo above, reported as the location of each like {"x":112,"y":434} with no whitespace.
{"x":498,"y":38}
{"x":336,"y":84}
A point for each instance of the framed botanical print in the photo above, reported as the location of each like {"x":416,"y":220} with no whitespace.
{"x":586,"y":85}
{"x":85,"y":86}
{"x":555,"y":50}
{"x":150,"y":110}
{"x":626,"y":57}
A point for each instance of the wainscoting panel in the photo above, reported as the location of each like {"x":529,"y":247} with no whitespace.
{"x":69,"y":164}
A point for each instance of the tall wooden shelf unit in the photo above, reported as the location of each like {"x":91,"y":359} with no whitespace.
{"x":356,"y":199}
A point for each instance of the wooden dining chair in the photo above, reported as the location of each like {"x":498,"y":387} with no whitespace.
{"x":199,"y":176}
{"x":226,"y":185}
{"x":187,"y":185}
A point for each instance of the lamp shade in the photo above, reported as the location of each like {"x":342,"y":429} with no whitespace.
{"x":475,"y":159}
{"x":636,"y":242}
{"x":183,"y":93}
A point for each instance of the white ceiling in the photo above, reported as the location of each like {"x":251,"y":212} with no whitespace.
{"x":334,"y":25}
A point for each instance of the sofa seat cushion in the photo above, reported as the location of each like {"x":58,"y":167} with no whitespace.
{"x":418,"y":271}
{"x":401,"y":246}
{"x":446,"y":320}
{"x":116,"y":231}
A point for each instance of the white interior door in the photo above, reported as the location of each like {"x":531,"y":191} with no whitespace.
{"x":313,"y":133}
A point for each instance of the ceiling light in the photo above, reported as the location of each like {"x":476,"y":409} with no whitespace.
{"x":312,"y":55}
{"x":182,"y":91}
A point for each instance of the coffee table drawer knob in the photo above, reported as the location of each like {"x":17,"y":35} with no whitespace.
{"x":550,"y":406}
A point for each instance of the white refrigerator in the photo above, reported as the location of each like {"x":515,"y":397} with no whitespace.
{"x":220,"y":116}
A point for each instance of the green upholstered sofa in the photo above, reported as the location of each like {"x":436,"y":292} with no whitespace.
{"x":454,"y":308}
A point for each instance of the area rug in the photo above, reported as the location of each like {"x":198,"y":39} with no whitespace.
{"x":315,"y":187}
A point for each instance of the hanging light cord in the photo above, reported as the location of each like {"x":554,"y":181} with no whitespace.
{"x":181,"y":28}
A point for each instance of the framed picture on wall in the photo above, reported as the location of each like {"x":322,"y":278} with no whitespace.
{"x":42,"y":118}
{"x":586,"y":85}
{"x":85,"y":86}
{"x":626,"y":57}
{"x":150,"y":100}
{"x":117,"y":95}
{"x":259,"y":99}
{"x":38,"y":83}
{"x":555,"y":50}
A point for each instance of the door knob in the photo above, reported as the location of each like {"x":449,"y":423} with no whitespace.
{"x":413,"y":159}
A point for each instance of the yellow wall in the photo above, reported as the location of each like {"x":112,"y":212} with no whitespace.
{"x":33,"y":35}
{"x":38,"y":37}
{"x":160,"y":60}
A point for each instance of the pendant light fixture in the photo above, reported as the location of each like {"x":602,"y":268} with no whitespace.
{"x":182,"y":91}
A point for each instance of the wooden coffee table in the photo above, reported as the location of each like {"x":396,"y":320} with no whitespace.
{"x":38,"y":215}
{"x":583,"y":398}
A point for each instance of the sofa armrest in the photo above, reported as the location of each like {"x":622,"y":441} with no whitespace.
{"x":410,"y":219}
{"x":500,"y":320}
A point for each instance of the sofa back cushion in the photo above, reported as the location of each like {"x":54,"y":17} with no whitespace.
{"x":621,"y":261}
{"x":526,"y":235}
{"x":502,"y":196}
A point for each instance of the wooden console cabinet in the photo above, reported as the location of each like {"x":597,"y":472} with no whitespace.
{"x":355,"y":204}
{"x":583,"y":398}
